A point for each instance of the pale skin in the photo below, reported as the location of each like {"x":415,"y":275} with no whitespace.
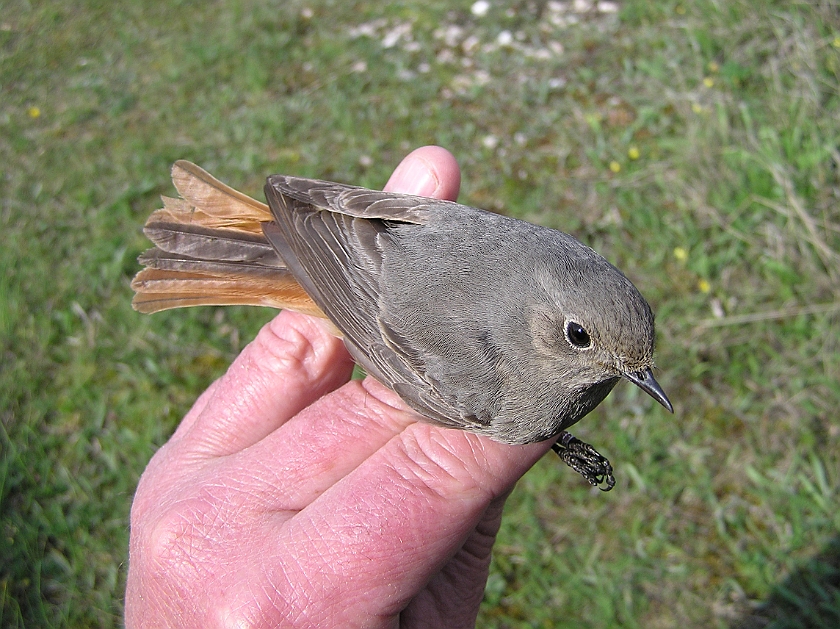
{"x":291,"y":496}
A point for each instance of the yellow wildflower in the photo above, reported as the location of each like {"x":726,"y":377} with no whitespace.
{"x":33,"y":112}
{"x":704,"y":286}
{"x":633,"y":152}
{"x":615,"y":166}
{"x":680,"y":254}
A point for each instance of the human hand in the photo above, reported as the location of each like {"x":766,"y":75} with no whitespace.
{"x":289,"y":496}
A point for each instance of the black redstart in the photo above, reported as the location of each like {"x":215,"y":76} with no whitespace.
{"x":478,"y":321}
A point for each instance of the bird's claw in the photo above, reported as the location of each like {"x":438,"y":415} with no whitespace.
{"x":585,"y":460}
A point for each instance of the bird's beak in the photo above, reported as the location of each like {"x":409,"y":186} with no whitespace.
{"x":646,"y":382}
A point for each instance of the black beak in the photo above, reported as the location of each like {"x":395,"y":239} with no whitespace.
{"x":647,"y":383}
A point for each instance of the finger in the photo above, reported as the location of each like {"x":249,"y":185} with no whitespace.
{"x":453,"y":596}
{"x":293,"y":466}
{"x":293,"y":361}
{"x":376,"y":538}
{"x":429,"y":171}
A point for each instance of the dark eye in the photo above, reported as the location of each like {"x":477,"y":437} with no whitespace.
{"x":577,"y":335}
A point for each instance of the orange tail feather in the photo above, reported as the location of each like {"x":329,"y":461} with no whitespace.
{"x":210,"y":251}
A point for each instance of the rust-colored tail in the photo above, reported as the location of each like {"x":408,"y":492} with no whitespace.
{"x":210,"y":251}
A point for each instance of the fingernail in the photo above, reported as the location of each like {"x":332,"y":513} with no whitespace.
{"x":414,"y":176}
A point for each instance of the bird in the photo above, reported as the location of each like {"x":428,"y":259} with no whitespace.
{"x":477,"y":320}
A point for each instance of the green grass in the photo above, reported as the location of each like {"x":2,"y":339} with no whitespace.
{"x":695,"y":144}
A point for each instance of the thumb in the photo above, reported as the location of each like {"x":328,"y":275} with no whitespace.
{"x":429,"y":171}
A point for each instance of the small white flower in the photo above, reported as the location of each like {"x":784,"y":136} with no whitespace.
{"x":608,"y":7}
{"x":446,"y":56}
{"x":504,"y":38}
{"x":490,"y":141}
{"x":481,"y":77}
{"x":480,"y":8}
{"x":366,"y":161}
{"x":400,"y":31}
{"x":556,"y":47}
{"x":558,"y":20}
{"x":581,"y":6}
{"x":368,"y":29}
{"x":470,"y":44}
{"x":461,"y":83}
{"x":451,"y":34}
{"x":391,"y":38}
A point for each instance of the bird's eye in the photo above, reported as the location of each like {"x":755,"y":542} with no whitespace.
{"x":577,"y":335}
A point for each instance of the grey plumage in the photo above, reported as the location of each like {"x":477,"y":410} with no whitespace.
{"x":476,"y":320}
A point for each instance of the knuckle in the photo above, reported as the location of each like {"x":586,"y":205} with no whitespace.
{"x":296,"y":344}
{"x":174,"y":546}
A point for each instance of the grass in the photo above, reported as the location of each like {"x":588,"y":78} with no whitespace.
{"x":695,"y":144}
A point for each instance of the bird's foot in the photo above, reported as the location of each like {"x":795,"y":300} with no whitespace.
{"x":585,"y":460}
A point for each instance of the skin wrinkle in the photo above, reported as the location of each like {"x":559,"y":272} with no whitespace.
{"x":166,"y":591}
{"x":325,"y":595}
{"x":297,"y":476}
{"x":437,"y":608}
{"x":245,"y":608}
{"x":287,"y":606}
{"x":270,"y":355}
{"x":271,"y":604}
{"x":434,"y":458}
{"x":380,"y":402}
{"x":195,"y":412}
{"x":174,"y":538}
{"x":355,"y":528}
{"x":437,"y":599}
{"x":197,"y":523}
{"x":444,"y":542}
{"x":312,"y":357}
{"x":389,"y":400}
{"x":417,"y":463}
{"x":279,"y":606}
{"x":256,"y":482}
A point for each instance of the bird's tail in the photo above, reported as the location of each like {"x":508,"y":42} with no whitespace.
{"x":210,"y":251}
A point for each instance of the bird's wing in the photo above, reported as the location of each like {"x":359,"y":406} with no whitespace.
{"x":330,"y":236}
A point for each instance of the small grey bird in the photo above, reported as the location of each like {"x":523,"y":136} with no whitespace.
{"x":478,"y":321}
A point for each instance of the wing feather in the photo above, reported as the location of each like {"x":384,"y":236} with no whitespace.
{"x":331,"y":236}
